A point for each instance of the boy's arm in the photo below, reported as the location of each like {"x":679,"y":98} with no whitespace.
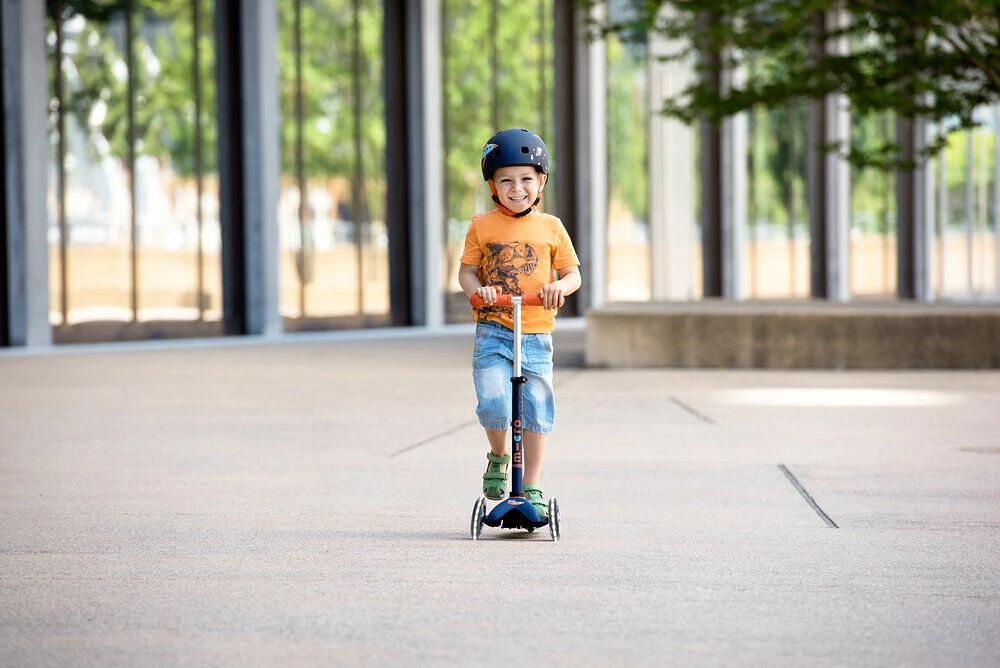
{"x":554,"y":294}
{"x":468,"y":278}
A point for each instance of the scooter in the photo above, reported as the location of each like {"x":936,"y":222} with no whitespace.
{"x":514,"y":512}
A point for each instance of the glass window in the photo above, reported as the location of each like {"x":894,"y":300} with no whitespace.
{"x":133,"y":199}
{"x":776,"y":264}
{"x":872,"y":235}
{"x":628,"y":252}
{"x":175,"y":183}
{"x":91,"y":219}
{"x":332,"y":202}
{"x":966,"y":226}
{"x":497,"y":69}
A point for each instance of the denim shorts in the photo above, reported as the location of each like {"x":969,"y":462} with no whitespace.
{"x":492,"y":368}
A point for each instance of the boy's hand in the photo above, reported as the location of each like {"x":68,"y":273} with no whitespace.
{"x":553,"y":295}
{"x":488,"y":293}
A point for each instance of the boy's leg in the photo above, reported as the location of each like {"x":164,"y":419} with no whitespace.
{"x":534,"y":452}
{"x":495,"y":477}
{"x":498,"y":441}
{"x":539,"y":403}
{"x":491,"y":374}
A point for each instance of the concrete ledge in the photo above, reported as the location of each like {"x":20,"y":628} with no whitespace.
{"x":787,"y":335}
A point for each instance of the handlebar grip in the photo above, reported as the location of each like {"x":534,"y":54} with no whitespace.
{"x":503,"y":299}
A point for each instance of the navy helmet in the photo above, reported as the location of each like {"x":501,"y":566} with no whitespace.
{"x":514,"y":147}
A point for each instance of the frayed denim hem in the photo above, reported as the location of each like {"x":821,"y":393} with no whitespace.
{"x":538,"y":429}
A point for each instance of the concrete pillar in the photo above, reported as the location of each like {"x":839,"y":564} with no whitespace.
{"x":580,"y":150}
{"x":592,"y":181}
{"x":723,"y":200}
{"x":914,"y":227}
{"x":262,"y":167}
{"x":671,"y":180}
{"x":415,"y":290}
{"x":429,"y":203}
{"x":26,"y":150}
{"x":734,"y":204}
{"x":829,"y":186}
{"x":249,"y":166}
{"x":928,"y":197}
{"x":996,"y":199}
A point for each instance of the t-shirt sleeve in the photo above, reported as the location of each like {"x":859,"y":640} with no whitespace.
{"x":473,"y":253}
{"x":564,"y":255}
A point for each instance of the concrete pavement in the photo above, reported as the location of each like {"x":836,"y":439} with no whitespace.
{"x":306,"y":501}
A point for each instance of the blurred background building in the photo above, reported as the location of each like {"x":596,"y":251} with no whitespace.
{"x":177,"y":168}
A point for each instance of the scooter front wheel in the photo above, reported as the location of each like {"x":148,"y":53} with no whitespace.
{"x":554,"y":529}
{"x":478,"y":514}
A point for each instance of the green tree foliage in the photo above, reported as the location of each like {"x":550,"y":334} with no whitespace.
{"x":497,"y":60}
{"x":627,"y":154}
{"x":936,"y":59}
{"x":95,"y":72}
{"x":335,"y":104}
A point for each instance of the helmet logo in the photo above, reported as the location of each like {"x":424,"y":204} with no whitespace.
{"x":486,"y":151}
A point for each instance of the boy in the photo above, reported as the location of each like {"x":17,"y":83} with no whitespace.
{"x":517,"y":250}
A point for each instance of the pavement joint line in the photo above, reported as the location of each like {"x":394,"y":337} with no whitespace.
{"x":431,"y":439}
{"x":805,"y":495}
{"x":698,"y":414}
{"x":457,"y":428}
{"x":567,"y":377}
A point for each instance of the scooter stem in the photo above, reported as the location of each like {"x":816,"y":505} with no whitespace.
{"x":516,"y":301}
{"x":517,"y":447}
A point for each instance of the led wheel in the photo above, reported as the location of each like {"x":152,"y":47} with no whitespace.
{"x":478,"y":514}
{"x":554,"y":518}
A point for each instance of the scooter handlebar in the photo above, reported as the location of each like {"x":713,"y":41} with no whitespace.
{"x":503,"y":299}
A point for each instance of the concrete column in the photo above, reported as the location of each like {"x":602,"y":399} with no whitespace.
{"x":914,"y":227}
{"x":829,"y":187}
{"x":580,"y":147}
{"x":671,"y":180}
{"x":996,"y":198}
{"x":942,"y":217}
{"x":723,"y":200}
{"x":262,"y":167}
{"x":429,"y":202}
{"x":734,"y":204}
{"x":408,"y":274}
{"x":26,"y":151}
{"x":928,"y":199}
{"x":592,"y":178}
{"x":838,"y":202}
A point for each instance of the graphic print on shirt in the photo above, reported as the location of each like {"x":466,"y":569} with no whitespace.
{"x":506,"y":262}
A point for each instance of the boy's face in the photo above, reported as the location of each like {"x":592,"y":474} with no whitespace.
{"x":518,"y":187}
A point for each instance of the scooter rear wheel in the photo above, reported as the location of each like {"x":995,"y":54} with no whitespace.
{"x":478,"y":514}
{"x":554,"y":529}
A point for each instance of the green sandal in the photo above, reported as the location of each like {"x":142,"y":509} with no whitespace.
{"x":535,"y":494}
{"x":495,"y":478}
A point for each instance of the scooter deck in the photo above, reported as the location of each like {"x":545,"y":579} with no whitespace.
{"x":515,"y":513}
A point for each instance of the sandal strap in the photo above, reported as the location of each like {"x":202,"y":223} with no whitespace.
{"x":498,"y":459}
{"x":531,"y":490}
{"x":495,"y":475}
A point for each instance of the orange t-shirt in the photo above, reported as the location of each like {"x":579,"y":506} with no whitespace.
{"x":520,"y":255}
